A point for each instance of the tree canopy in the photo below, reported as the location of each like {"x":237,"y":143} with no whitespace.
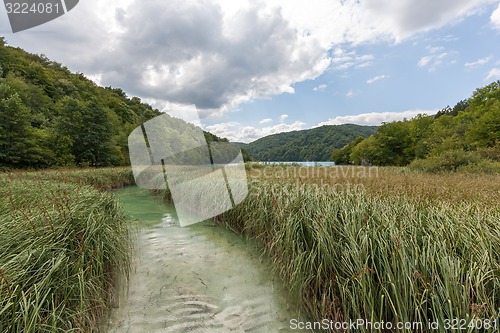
{"x":314,"y":144}
{"x":51,"y":117}
{"x":471,"y":129}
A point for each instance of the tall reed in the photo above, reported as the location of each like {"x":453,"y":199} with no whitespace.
{"x":63,"y":247}
{"x":101,"y":179}
{"x":373,"y":253}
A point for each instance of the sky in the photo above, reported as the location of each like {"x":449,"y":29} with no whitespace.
{"x":254,"y":68}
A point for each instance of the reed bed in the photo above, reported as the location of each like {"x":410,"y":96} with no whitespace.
{"x":452,"y":187}
{"x":64,"y":246}
{"x":390,"y":246}
{"x":101,"y":179}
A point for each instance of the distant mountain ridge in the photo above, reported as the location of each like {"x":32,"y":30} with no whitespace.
{"x":316,"y":144}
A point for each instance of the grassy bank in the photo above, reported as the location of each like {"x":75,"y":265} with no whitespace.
{"x":379,"y":244}
{"x":63,"y":245}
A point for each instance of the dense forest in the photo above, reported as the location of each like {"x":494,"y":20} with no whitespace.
{"x":465,"y":136}
{"x":51,"y":117}
{"x":314,"y":144}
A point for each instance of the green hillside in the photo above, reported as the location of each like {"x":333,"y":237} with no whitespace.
{"x":465,"y":137}
{"x":314,"y":144}
{"x":50,"y":117}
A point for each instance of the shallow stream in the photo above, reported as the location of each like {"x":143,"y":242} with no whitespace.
{"x":200,"y":278}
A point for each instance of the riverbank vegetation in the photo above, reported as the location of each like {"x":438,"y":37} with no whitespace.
{"x":63,"y":247}
{"x":379,"y":244}
{"x":465,"y":137}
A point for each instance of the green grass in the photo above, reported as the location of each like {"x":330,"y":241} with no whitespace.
{"x":63,"y":248}
{"x":101,"y":179}
{"x":389,"y":245}
{"x":375,"y":253}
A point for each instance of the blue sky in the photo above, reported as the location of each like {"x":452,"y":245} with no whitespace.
{"x":257,"y":68}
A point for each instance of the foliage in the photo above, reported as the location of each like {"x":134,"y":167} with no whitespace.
{"x":485,"y":166}
{"x":64,"y":246}
{"x":460,"y":106}
{"x":17,"y":137}
{"x":50,"y":117}
{"x":308,"y":145}
{"x":449,"y":160}
{"x":343,"y":155}
{"x":435,"y":142}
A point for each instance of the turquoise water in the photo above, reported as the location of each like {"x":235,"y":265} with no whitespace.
{"x":200,"y":278}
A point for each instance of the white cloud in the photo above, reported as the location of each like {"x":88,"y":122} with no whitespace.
{"x":237,"y":132}
{"x":96,"y":78}
{"x":375,"y":118}
{"x":358,"y":22}
{"x":194,"y":53}
{"x":350,"y":93}
{"x":493,"y":74}
{"x":495,"y":17}
{"x":188,"y":113}
{"x":479,"y":62}
{"x":343,"y":60}
{"x":434,"y":49}
{"x":283,"y":117}
{"x":364,"y":64}
{"x":403,"y":18}
{"x":434,"y":61}
{"x":448,"y":38}
{"x":424,"y":61}
{"x":321,"y":87}
{"x":376,"y":78}
{"x":201,"y":52}
{"x":265,"y":121}
{"x":217,"y":54}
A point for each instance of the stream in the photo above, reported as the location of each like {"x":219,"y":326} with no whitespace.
{"x":201,"y":278}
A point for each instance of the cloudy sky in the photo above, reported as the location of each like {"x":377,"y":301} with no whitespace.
{"x":254,"y":68}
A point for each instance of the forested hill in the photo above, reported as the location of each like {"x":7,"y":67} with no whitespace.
{"x":465,"y":137}
{"x":314,"y":144}
{"x":51,"y":117}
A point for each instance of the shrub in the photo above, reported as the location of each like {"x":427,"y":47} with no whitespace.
{"x":447,"y":161}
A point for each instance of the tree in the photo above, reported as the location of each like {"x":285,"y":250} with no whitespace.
{"x":485,"y":132}
{"x":391,"y":145}
{"x":314,"y":144}
{"x":460,"y":106}
{"x":419,"y":130}
{"x":17,"y":140}
{"x":485,"y":96}
{"x":96,"y":136}
{"x":343,"y":155}
{"x":368,"y":152}
{"x":89,"y":129}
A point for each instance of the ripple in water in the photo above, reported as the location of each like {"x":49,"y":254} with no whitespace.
{"x":197,"y":279}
